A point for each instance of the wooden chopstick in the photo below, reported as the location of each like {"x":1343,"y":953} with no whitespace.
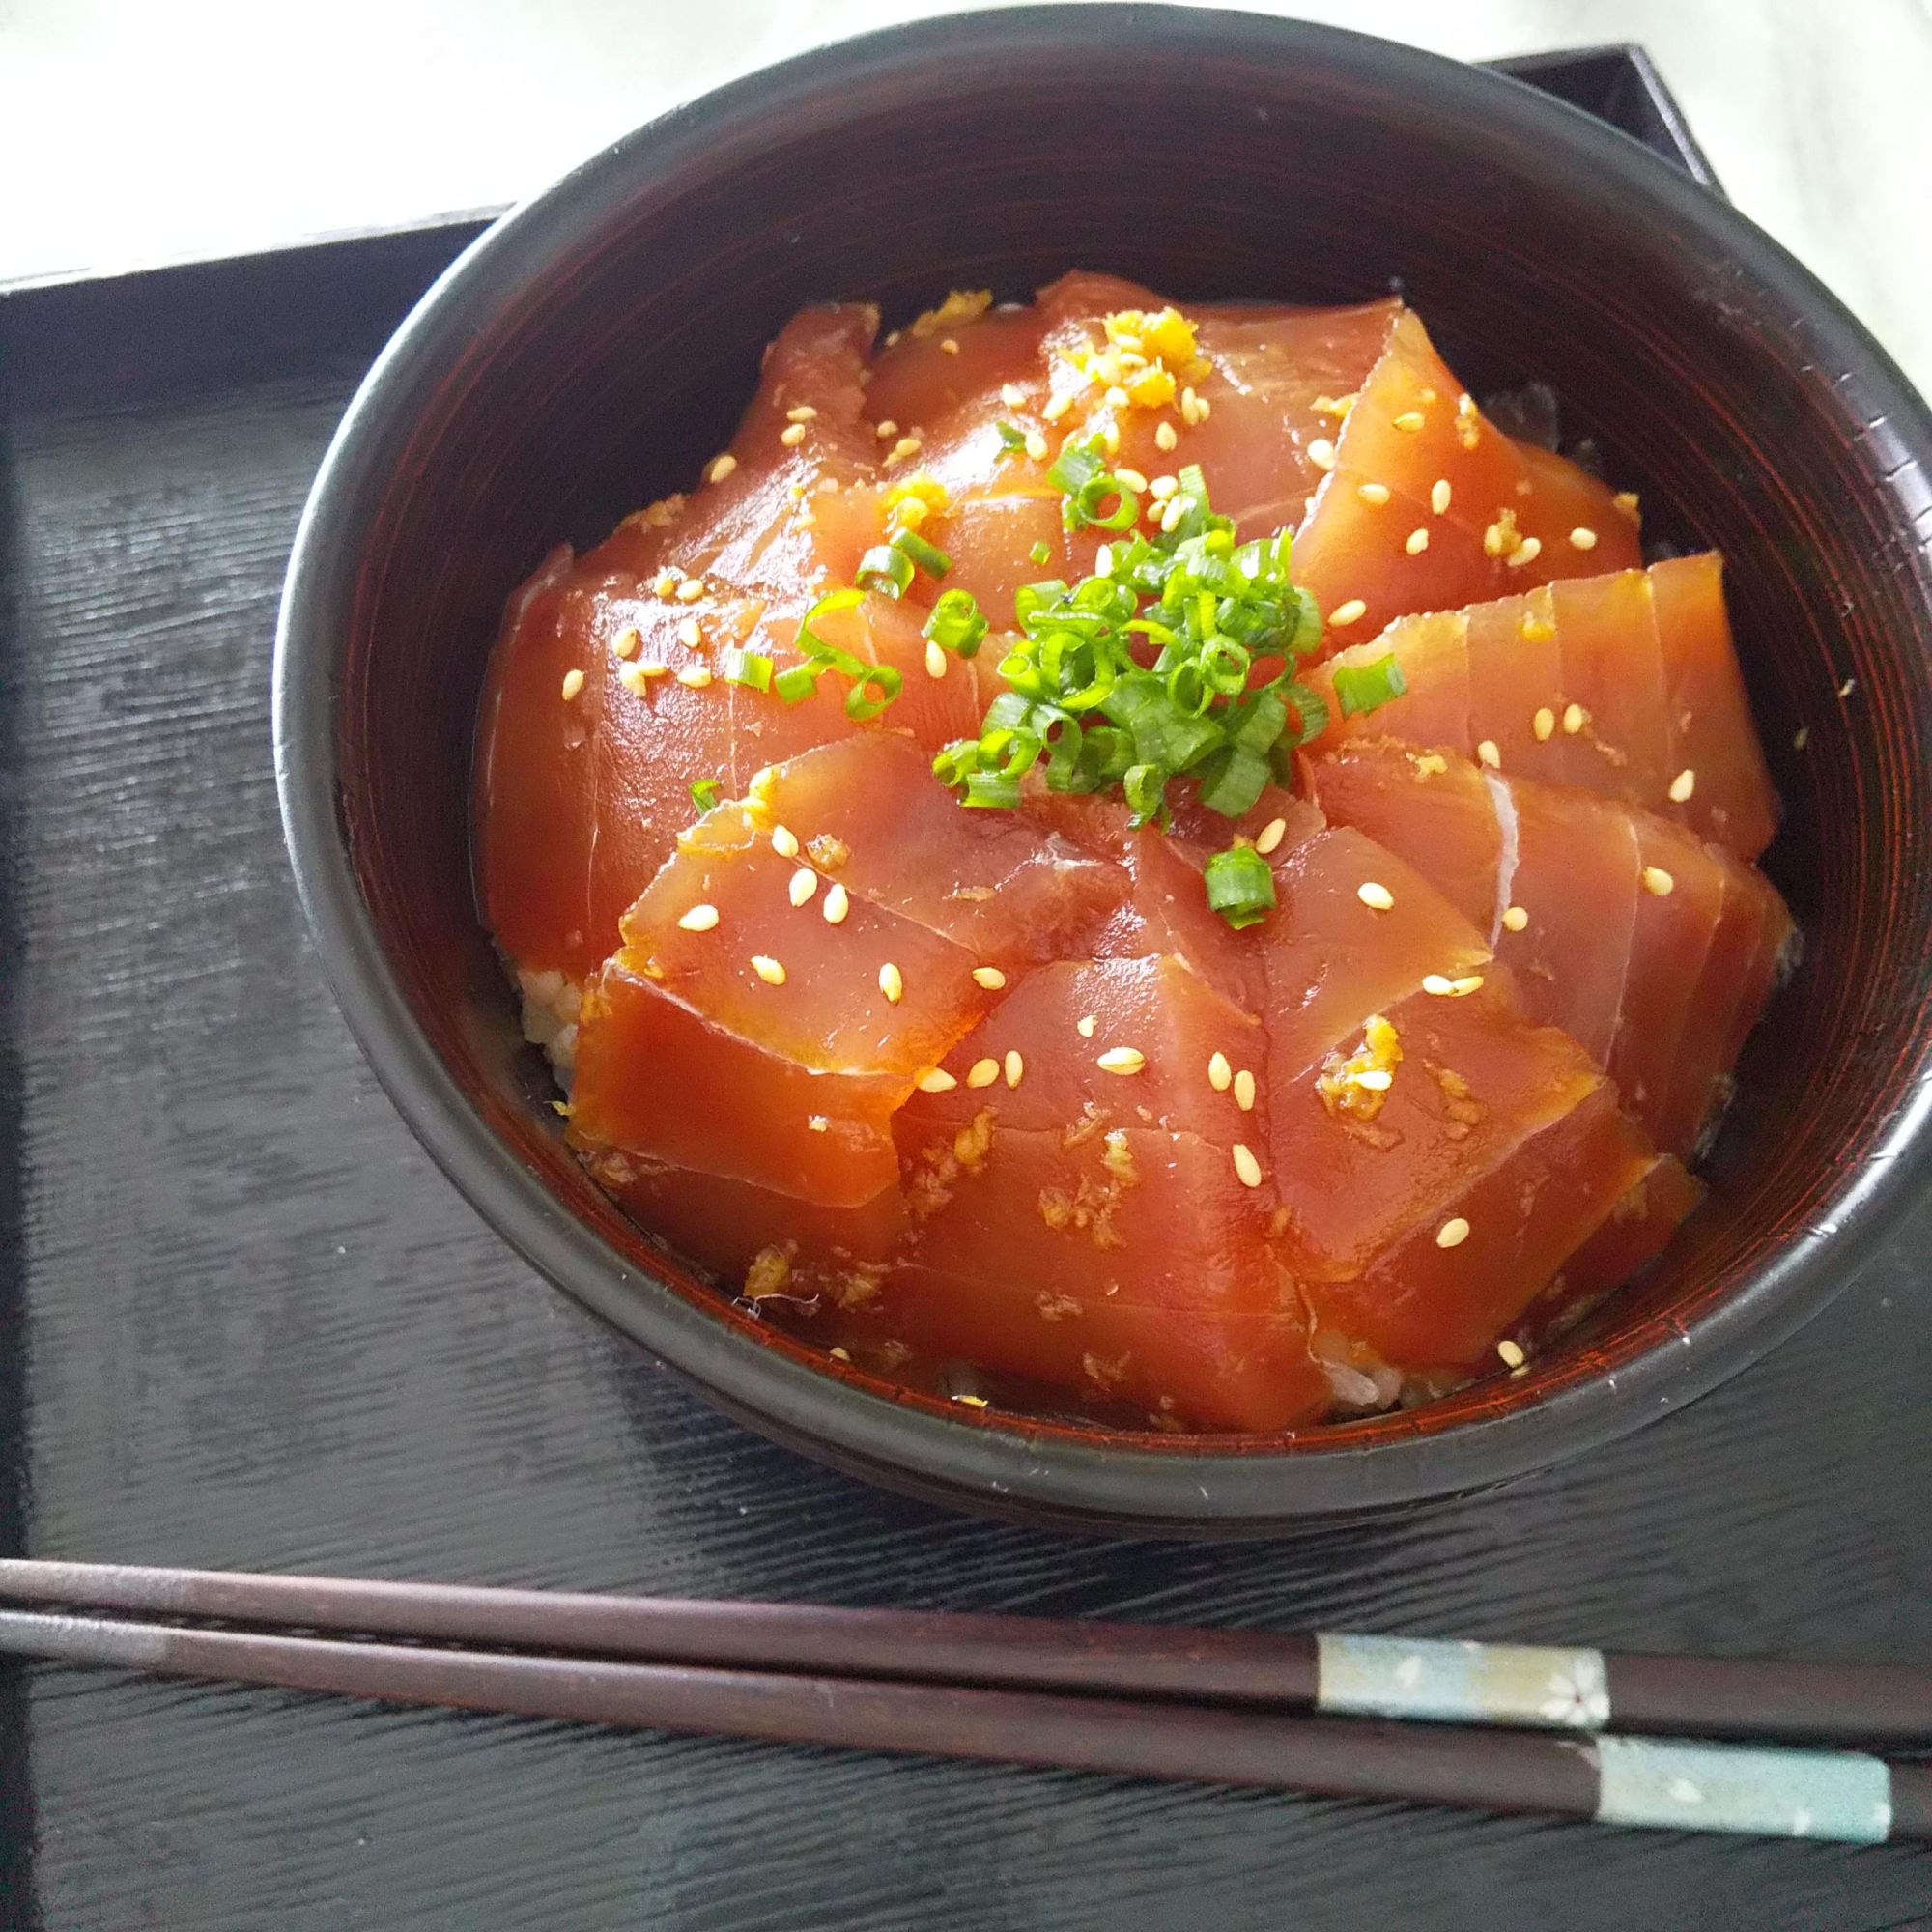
{"x":1838,"y":1796}
{"x":1540,"y":1687}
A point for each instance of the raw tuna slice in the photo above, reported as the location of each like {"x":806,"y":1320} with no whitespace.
{"x":1166,"y":910}
{"x":1111,"y":1044}
{"x":1425,"y":1305}
{"x":765,"y":1243}
{"x":866,"y":813}
{"x":1333,"y":956}
{"x":738,"y":932}
{"x":1633,"y":1234}
{"x":606,"y":699}
{"x":1362,"y":1163}
{"x":1635,"y":937}
{"x":1714,"y":736}
{"x":1624,"y":685}
{"x":1431,"y":808}
{"x":1429,"y":506}
{"x":656,"y":1079}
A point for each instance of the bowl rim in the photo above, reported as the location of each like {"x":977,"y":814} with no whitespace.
{"x":993,"y":1464}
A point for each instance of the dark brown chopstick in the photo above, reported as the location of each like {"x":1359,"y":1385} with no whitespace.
{"x":1888,"y":1705}
{"x":1837,"y":1795}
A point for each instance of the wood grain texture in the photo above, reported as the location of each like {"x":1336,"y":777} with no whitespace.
{"x":259,"y":1329}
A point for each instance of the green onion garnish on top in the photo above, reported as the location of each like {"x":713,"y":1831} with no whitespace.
{"x":1365,"y":686}
{"x":1241,"y":887}
{"x":705,"y":793}
{"x":1175,"y":659}
{"x":751,"y":669}
{"x":885,"y":568}
{"x":956,"y":624}
{"x":1011,"y":440}
{"x":929,"y":558}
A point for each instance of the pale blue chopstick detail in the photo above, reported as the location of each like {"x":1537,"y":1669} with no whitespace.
{"x":1536,"y":1685}
{"x":1843,"y":1796}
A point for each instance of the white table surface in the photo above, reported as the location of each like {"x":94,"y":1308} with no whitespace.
{"x":134,"y":133}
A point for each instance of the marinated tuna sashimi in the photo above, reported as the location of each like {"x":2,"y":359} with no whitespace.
{"x":1608,"y":917}
{"x":1626,"y":685}
{"x":1141,"y":862}
{"x":1428,"y":506}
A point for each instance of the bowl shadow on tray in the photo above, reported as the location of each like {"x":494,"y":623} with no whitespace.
{"x":620,"y":336}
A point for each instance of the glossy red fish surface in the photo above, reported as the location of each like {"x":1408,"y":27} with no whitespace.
{"x":993,"y":1101}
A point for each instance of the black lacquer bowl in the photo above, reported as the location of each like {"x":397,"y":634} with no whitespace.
{"x":594,"y":347}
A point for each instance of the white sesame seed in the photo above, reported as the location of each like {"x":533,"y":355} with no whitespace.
{"x":1491,"y":755}
{"x":1418,"y":542}
{"x":784,"y":841}
{"x":1583,"y":537}
{"x":1036,"y":446}
{"x":691,"y":633}
{"x":1163,"y":487}
{"x":935,"y":658}
{"x":793,"y":436}
{"x":1453,"y":1233}
{"x":1015,"y":1066}
{"x":1510,"y":1353}
{"x":636,"y":678}
{"x":801,"y":412}
{"x":1845,"y":690}
{"x":1132,"y":478}
{"x":1515,"y":919}
{"x":1270,"y":835}
{"x":1544,"y":724}
{"x":935,"y":1080}
{"x":1244,"y":1091}
{"x":1247,"y":1166}
{"x":804,"y":885}
{"x":1084,"y":1026}
{"x":663,"y":584}
{"x":892,"y":982}
{"x":699,"y":919}
{"x":1011,"y":394}
{"x":1373,"y":494}
{"x":1658,"y":882}
{"x":1575,"y":717}
{"x":1220,"y":1075}
{"x":573,"y":683}
{"x":1411,"y":420}
{"x":1527,"y":552}
{"x":1165,"y":435}
{"x":1056,"y":408}
{"x":1122,"y":1059}
{"x":722,"y":466}
{"x":1374,"y":1079}
{"x":948,"y":346}
{"x":1438,"y":496}
{"x":837,"y":903}
{"x":1437,"y":983}
{"x":1170,"y":518}
{"x":1469,"y":982}
{"x":1800,"y":737}
{"x":1683,"y":785}
{"x":696,"y":676}
{"x":1321,"y":453}
{"x":627,"y":642}
{"x":1350,"y":613}
{"x":982,"y":1073}
{"x":768,"y":969}
{"x":988,"y":977}
{"x":1377,"y":896}
{"x":1115,"y":398}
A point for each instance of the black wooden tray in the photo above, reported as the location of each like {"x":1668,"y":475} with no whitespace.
{"x":245,"y":1322}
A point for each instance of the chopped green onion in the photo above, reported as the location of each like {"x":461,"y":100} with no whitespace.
{"x":748,"y":668}
{"x":929,"y":558}
{"x":705,"y":793}
{"x":1367,"y":687}
{"x":1082,"y":507}
{"x":1233,"y":780}
{"x":799,"y":683}
{"x":1311,"y":707}
{"x":956,"y":624}
{"x":993,"y":789}
{"x":1040,"y":552}
{"x":1011,"y":440}
{"x":880,"y":678}
{"x":832,"y":603}
{"x":1077,"y":466}
{"x":1145,"y":788}
{"x":885,"y":568}
{"x":1241,"y":887}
